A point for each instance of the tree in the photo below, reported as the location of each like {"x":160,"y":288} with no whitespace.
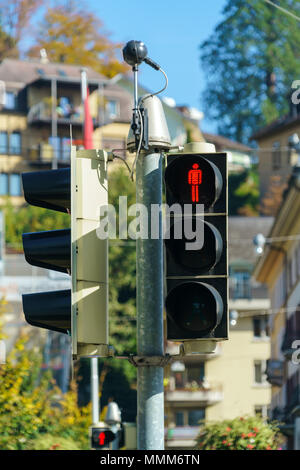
{"x":30,"y":219}
{"x":122,"y":275}
{"x":73,"y":35}
{"x":244,"y":433}
{"x":243,"y":193}
{"x":7,"y":45}
{"x":15,"y":22}
{"x":33,"y":412}
{"x":250,"y":61}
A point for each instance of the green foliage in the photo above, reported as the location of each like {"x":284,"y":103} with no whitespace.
{"x":32,"y":407}
{"x":122,"y":265}
{"x":49,"y":442}
{"x":30,"y":219}
{"x":33,"y":411}
{"x":245,"y":433}
{"x":243,"y":193}
{"x":250,"y":62}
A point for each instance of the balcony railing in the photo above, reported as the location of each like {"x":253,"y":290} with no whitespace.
{"x":42,"y":111}
{"x":43,"y":154}
{"x":194,"y":392}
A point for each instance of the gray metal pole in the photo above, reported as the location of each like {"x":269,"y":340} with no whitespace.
{"x":94,"y":390}
{"x":149,"y":253}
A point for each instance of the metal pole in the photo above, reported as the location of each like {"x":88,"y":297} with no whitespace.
{"x":135,"y":81}
{"x":95,"y":390}
{"x":83,"y":94}
{"x":54,"y":122}
{"x":149,"y":253}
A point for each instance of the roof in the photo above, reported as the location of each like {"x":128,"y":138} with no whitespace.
{"x":275,"y":126}
{"x":222,"y":142}
{"x":241,"y":231}
{"x":22,"y":72}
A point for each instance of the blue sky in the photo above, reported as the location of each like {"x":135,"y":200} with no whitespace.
{"x":172,"y":31}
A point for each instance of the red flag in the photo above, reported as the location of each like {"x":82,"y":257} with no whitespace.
{"x":88,"y":125}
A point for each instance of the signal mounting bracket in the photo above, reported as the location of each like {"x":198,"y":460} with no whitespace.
{"x":144,"y":361}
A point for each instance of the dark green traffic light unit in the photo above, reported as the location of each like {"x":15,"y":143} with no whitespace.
{"x":196,"y":274}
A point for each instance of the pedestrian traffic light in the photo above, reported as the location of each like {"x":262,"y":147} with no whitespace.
{"x":101,"y":436}
{"x":82,"y":311}
{"x":196,"y":246}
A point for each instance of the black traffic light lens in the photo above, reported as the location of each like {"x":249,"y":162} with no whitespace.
{"x":50,"y":189}
{"x":50,"y":310}
{"x":50,"y":250}
{"x":194,"y":307}
{"x":198,"y":254}
{"x":191,"y":179}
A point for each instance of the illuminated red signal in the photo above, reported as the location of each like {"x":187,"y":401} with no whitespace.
{"x":101,"y":438}
{"x":194,"y":179}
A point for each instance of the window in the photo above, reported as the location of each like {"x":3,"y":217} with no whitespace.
{"x":276,"y":156}
{"x":262,"y":410}
{"x":55,"y":144}
{"x":3,"y":184}
{"x":260,"y":327}
{"x":179,"y":379}
{"x":179,"y":418}
{"x":3,"y":142}
{"x":195,"y":416}
{"x":10,"y":100}
{"x":242,"y":285}
{"x":112,"y":109}
{"x":15,"y":143}
{"x":195,"y":374}
{"x":15,"y":184}
{"x":259,"y":372}
{"x":65,"y":149}
{"x":189,"y":417}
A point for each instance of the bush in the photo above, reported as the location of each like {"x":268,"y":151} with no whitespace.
{"x":245,"y":433}
{"x":32,"y":407}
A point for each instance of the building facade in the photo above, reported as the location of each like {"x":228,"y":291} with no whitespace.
{"x":240,"y":156}
{"x":276,"y":156}
{"x":41,"y":113}
{"x":279,"y":268}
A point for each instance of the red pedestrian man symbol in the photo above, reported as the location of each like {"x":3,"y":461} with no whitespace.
{"x":194,"y":179}
{"x":101,"y":438}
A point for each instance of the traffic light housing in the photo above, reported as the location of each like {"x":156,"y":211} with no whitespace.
{"x":196,"y":271}
{"x":81,"y":311}
{"x":101,"y":436}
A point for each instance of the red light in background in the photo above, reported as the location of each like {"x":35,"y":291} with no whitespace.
{"x":101,"y":438}
{"x":194,"y":179}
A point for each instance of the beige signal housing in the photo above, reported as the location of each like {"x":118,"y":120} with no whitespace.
{"x":89,"y":191}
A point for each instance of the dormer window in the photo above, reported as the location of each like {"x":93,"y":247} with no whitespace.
{"x":10,"y":100}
